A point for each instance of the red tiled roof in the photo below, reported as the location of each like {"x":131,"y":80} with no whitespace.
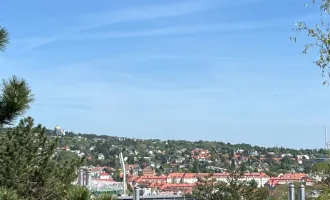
{"x":175,"y":175}
{"x":189,"y":175}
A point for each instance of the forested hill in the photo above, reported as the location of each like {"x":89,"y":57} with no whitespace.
{"x":187,"y":156}
{"x":182,"y":144}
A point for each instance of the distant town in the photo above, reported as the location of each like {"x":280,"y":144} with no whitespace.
{"x":174,"y":167}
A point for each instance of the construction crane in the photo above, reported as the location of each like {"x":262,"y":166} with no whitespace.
{"x":124,"y":173}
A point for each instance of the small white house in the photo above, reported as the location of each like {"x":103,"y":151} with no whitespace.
{"x":100,"y":156}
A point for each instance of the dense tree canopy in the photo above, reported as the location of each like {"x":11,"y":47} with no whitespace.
{"x":209,"y":189}
{"x":29,"y":164}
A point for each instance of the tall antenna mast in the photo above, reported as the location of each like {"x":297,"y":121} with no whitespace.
{"x":327,"y":144}
{"x":326,"y":138}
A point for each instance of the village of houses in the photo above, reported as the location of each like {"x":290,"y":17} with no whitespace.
{"x":184,"y":182}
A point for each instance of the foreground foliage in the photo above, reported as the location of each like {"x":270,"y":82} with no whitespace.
{"x":78,"y":193}
{"x":320,"y":36}
{"x":208,"y":189}
{"x":106,"y":197}
{"x":29,"y":164}
{"x":15,"y":99}
{"x":15,"y":93}
{"x":4,"y":38}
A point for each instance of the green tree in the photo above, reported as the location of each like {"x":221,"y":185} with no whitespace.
{"x":325,"y":195}
{"x":320,"y":36}
{"x":78,"y":193}
{"x":323,"y":170}
{"x":15,"y":99}
{"x":4,"y":38}
{"x":29,"y":164}
{"x":208,"y":189}
{"x":8,"y":194}
{"x":243,"y":168}
{"x":233,"y":165}
{"x":196,"y":167}
{"x":130,"y":159}
{"x":116,"y":176}
{"x":106,"y":197}
{"x":15,"y":93}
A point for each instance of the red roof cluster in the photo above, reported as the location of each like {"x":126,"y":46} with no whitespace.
{"x":200,"y":154}
{"x":290,"y":177}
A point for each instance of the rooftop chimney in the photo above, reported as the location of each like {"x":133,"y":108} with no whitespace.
{"x":81,"y":177}
{"x":89,"y":180}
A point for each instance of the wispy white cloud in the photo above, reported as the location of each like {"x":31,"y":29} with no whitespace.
{"x":25,"y":44}
{"x":144,"y":13}
{"x":94,"y":20}
{"x":170,"y":31}
{"x":183,"y":30}
{"x":156,"y":11}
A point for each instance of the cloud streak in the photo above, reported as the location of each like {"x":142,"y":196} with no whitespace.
{"x":143,"y":13}
{"x":135,"y":14}
{"x":170,"y":31}
{"x":174,"y":31}
{"x":96,"y":20}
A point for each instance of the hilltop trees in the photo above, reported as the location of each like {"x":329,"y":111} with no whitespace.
{"x":320,"y":35}
{"x":322,"y":169}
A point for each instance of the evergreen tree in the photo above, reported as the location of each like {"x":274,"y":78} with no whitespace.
{"x":106,"y":197}
{"x":4,"y":38}
{"x":8,"y":194}
{"x":196,"y":167}
{"x":233,"y":164}
{"x":78,"y":193}
{"x":130,"y":159}
{"x":15,"y":99}
{"x":243,"y":168}
{"x":29,"y":164}
{"x":15,"y":94}
{"x":30,"y":168}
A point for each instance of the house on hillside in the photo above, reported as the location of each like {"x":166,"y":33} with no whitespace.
{"x":132,"y":169}
{"x":189,"y":178}
{"x":175,"y":177}
{"x":104,"y":175}
{"x":100,"y":156}
{"x":148,"y":171}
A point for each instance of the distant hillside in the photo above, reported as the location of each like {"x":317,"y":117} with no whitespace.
{"x":186,"y":156}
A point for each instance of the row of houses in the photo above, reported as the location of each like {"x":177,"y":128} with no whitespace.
{"x":185,"y":182}
{"x":192,"y":178}
{"x":288,"y":178}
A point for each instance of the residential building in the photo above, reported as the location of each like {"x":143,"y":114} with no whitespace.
{"x":148,"y":171}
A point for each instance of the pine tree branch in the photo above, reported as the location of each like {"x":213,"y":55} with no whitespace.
{"x":4,"y":38}
{"x":15,"y":99}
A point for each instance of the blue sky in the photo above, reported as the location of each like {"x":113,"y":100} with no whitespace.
{"x":170,"y":69}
